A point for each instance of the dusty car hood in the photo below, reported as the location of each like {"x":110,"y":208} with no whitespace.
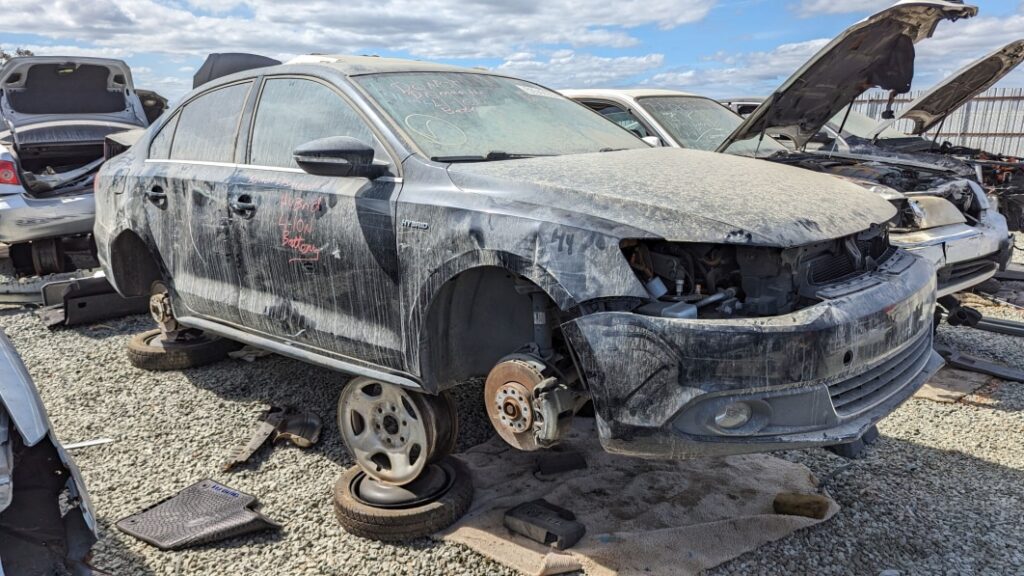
{"x":875,"y":52}
{"x":945,"y":97}
{"x":682,"y":195}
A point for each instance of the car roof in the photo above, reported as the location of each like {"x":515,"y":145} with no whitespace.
{"x":357,"y":65}
{"x":631,"y":92}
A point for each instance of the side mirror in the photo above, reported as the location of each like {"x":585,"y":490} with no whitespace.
{"x":654,"y":141}
{"x":338,"y":156}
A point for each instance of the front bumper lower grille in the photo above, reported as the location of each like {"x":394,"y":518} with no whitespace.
{"x":865,"y":391}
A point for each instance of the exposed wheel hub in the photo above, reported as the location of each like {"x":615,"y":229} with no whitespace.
{"x":394,"y":433}
{"x":508,"y":396}
{"x":513,"y":402}
{"x":160,"y":310}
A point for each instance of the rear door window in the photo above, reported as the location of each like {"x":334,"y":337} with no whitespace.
{"x":160,"y":148}
{"x":620,"y":116}
{"x":294,"y":111}
{"x":208,"y":125}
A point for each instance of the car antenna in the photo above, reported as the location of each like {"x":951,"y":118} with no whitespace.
{"x":839,"y":134}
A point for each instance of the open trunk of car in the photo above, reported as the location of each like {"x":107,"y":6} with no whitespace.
{"x":57,"y":112}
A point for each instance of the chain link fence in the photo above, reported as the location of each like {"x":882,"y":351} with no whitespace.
{"x":992,"y":121}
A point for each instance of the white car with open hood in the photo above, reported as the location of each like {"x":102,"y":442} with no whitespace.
{"x":944,"y":214}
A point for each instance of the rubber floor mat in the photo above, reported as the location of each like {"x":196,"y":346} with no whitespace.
{"x":202,"y":513}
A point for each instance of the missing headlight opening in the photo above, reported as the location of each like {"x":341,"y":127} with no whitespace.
{"x":723,"y":281}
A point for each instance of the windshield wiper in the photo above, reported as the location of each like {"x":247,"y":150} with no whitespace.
{"x":493,"y":155}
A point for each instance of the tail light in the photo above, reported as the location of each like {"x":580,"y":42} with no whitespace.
{"x":8,"y":172}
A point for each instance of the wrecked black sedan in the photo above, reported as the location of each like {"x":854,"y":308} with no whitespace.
{"x":418,"y":225}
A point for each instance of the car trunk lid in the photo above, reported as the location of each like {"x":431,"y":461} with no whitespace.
{"x":57,"y":111}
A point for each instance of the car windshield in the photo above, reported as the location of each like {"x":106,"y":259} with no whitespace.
{"x":703,"y":124}
{"x":862,"y":126}
{"x":468,"y":117}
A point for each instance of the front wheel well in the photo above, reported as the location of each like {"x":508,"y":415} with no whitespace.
{"x":133,"y":266}
{"x":476,"y":319}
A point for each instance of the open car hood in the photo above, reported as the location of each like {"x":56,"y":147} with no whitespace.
{"x":875,"y":52}
{"x":947,"y":96}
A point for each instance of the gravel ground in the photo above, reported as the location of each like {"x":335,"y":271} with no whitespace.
{"x":941,"y":492}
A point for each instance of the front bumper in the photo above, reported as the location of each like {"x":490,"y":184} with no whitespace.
{"x":819,"y":376}
{"x":23,"y":218}
{"x":963,"y":255}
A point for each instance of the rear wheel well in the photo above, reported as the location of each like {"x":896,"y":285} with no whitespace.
{"x":133,"y":265}
{"x":477,"y":318}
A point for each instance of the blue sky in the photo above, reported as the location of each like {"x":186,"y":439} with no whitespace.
{"x":718,"y":48}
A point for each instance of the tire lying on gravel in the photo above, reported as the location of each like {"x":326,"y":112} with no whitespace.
{"x":395,"y":524}
{"x":145,"y":351}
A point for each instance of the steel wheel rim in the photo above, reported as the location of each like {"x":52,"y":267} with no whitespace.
{"x":389,"y":431}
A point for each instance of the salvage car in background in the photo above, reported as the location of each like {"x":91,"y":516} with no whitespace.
{"x":944,"y":214}
{"x":46,"y":521}
{"x":56,"y":111}
{"x":1002,"y":175}
{"x":418,"y":225}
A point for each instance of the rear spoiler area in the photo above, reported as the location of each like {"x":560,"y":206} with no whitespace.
{"x":218,"y":65}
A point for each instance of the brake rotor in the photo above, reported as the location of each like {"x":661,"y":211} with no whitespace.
{"x":508,"y":396}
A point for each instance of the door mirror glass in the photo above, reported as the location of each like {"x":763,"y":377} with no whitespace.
{"x":338,"y":156}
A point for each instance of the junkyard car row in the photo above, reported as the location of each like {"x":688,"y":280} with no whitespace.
{"x":419,"y":225}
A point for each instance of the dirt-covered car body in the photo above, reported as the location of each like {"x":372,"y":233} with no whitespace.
{"x":55,"y":113}
{"x":46,"y":521}
{"x":674,"y":279}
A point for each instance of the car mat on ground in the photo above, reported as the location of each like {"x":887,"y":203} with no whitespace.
{"x":202,"y":513}
{"x":642,"y":516}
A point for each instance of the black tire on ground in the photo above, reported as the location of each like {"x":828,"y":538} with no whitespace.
{"x":206,"y":349}
{"x":399,"y":524}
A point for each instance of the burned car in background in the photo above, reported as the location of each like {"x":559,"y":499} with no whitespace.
{"x":56,"y":112}
{"x":46,"y":521}
{"x":943,"y":214}
{"x":418,"y":225}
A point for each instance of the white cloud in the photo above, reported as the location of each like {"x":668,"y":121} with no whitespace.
{"x":569,"y":69}
{"x":424,"y":28}
{"x":957,"y":44}
{"x":71,"y":50}
{"x":741,"y":74}
{"x":954,"y":45}
{"x":809,"y":8}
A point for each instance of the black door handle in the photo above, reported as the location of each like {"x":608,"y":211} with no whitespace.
{"x":243,"y":205}
{"x":157,"y":196}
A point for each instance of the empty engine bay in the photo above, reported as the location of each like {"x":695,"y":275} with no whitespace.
{"x":725,"y":281}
